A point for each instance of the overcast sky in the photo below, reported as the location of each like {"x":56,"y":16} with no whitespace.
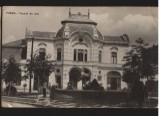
{"x":137,"y":22}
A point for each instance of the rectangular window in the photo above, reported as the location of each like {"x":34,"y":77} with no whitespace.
{"x":114,"y":58}
{"x":59,"y":53}
{"x":100,"y":56}
{"x":75,"y":55}
{"x":42,"y":53}
{"x":80,"y":54}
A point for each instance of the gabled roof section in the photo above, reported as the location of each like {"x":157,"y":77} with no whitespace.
{"x":116,"y":39}
{"x":60,"y":32}
{"x":43,"y":34}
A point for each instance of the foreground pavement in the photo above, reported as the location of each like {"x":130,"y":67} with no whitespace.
{"x":6,"y":104}
{"x":65,"y":103}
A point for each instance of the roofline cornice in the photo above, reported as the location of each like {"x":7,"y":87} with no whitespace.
{"x":77,"y":22}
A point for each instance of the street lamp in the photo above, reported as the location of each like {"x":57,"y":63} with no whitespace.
{"x":30,"y":80}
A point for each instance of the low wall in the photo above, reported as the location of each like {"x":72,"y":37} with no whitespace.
{"x":94,"y":95}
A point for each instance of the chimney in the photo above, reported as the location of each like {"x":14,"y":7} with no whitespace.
{"x":88,"y":13}
{"x":69,"y":12}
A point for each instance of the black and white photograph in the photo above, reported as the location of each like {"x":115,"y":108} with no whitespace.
{"x":79,"y":57}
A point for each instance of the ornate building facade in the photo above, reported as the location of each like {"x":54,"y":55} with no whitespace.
{"x":77,"y":44}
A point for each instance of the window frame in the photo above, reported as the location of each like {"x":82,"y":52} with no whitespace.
{"x":114,"y":57}
{"x":80,"y":55}
{"x":59,"y":54}
{"x":100,"y":56}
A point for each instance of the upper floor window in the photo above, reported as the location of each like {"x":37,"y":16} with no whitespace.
{"x":80,"y":55}
{"x":42,"y":53}
{"x":100,"y":56}
{"x":114,"y":57}
{"x":59,"y":54}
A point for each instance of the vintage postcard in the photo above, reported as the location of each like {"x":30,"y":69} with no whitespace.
{"x":79,"y":57}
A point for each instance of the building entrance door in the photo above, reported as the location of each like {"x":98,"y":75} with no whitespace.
{"x":114,"y":80}
{"x":113,"y":83}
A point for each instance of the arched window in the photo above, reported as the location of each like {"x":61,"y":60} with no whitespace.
{"x":42,"y":53}
{"x":114,"y":80}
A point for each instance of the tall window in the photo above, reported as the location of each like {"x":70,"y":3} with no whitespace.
{"x":80,"y":55}
{"x":100,"y":56}
{"x":59,"y":53}
{"x":114,"y":57}
{"x":42,"y":53}
{"x":75,"y":55}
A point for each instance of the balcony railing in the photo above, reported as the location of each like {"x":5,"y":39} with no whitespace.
{"x":78,"y":63}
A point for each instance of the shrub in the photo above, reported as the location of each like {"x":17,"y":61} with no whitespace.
{"x":94,"y":85}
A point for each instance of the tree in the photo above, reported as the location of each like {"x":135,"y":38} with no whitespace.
{"x":41,"y":67}
{"x":94,"y":85}
{"x":24,"y":86}
{"x":11,"y":72}
{"x":136,"y":66}
{"x":85,"y":75}
{"x":74,"y":76}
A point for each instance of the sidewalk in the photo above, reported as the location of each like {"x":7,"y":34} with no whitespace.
{"x":29,"y":101}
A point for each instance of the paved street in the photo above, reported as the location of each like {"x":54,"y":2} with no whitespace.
{"x":16,"y":105}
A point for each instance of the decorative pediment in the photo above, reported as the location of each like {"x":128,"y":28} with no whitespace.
{"x":114,"y":48}
{"x":100,"y":47}
{"x":42,"y":44}
{"x":81,"y":41}
{"x":59,"y":44}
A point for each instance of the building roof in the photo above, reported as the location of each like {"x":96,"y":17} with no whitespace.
{"x":17,"y":43}
{"x":116,"y":39}
{"x":80,"y":22}
{"x":60,"y":32}
{"x":7,"y":52}
{"x":43,"y":34}
{"x":73,"y":27}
